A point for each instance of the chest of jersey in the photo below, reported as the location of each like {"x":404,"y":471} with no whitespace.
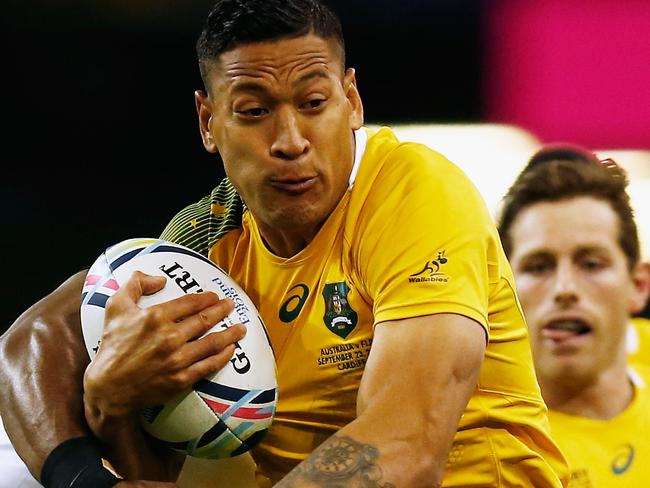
{"x":318,"y":323}
{"x":607,"y":453}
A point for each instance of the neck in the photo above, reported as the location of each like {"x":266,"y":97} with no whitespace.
{"x":287,"y":243}
{"x":602,"y":398}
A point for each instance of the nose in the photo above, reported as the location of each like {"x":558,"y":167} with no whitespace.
{"x":565,"y":286}
{"x":289,"y":142}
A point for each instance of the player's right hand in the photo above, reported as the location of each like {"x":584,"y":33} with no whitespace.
{"x":149,"y":355}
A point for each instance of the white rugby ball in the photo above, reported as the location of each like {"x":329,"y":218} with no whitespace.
{"x":225,"y":414}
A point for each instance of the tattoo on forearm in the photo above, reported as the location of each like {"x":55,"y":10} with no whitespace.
{"x":340,"y":462}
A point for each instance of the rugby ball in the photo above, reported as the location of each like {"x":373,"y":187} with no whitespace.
{"x":225,"y":414}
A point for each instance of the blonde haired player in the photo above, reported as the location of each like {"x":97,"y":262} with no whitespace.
{"x":569,"y":232}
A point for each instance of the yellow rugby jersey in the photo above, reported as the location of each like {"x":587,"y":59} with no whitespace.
{"x":411,"y":237}
{"x":638,"y":341}
{"x":608,"y":453}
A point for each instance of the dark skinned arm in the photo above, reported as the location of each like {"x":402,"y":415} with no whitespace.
{"x":42,"y":364}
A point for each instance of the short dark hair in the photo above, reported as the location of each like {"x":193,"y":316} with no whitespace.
{"x":231,"y":23}
{"x":563,"y":171}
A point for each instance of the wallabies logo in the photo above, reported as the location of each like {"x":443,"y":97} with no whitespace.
{"x":431,"y":271}
{"x":339,"y":316}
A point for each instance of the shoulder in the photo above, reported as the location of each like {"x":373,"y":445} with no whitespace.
{"x":410,"y":165}
{"x":387,"y":150}
{"x":200,"y":224}
{"x":395,"y":174}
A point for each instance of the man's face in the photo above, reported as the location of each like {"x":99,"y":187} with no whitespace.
{"x":281,"y":115}
{"x":574,"y":285}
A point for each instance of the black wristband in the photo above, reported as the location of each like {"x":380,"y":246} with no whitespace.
{"x":77,"y":463}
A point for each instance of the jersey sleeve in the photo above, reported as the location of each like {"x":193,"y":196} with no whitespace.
{"x":199,"y":225}
{"x":426,"y":242}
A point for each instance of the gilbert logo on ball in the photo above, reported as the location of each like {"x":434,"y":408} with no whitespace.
{"x":225,"y":414}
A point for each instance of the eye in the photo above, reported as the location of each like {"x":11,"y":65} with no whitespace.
{"x":592,"y":264}
{"x":313,"y":104}
{"x":537,"y":266}
{"x":254,"y":112}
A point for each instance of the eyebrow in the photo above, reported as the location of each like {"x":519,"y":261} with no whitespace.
{"x":248,"y":86}
{"x":253,"y":86}
{"x":316,"y":73}
{"x":537,"y":253}
{"x":594,"y":248}
{"x":579,"y":251}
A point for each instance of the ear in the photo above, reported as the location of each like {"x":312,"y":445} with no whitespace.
{"x":204,"y":112}
{"x":354,"y":99}
{"x":641,"y":284}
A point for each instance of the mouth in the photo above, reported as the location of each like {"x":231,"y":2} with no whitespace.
{"x":566,"y":331}
{"x":294,"y":186}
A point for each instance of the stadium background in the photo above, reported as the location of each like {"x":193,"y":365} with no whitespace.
{"x":100,"y":141}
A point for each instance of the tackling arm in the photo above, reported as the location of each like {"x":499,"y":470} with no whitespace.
{"x":419,"y":377}
{"x":42,"y":362}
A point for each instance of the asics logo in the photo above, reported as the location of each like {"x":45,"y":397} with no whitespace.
{"x":292,"y":306}
{"x":623,"y":459}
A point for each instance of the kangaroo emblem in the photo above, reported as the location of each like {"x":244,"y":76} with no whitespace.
{"x":433,"y":265}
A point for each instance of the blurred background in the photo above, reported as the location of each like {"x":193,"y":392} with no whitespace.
{"x":101,"y":142}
